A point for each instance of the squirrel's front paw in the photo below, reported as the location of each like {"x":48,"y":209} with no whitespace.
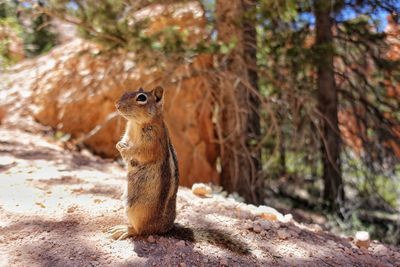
{"x":121,"y":146}
{"x":121,"y":232}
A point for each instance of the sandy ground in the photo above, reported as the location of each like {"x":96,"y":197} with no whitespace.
{"x":56,"y":206}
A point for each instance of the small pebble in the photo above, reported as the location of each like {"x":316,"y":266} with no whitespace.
{"x":287,"y":218}
{"x":263,"y":233}
{"x":297,"y":230}
{"x":316,"y":228}
{"x":331,"y":243}
{"x":151,"y":239}
{"x":283,"y":234}
{"x":380,"y":250}
{"x":223,"y":262}
{"x":293,"y":234}
{"x":247,"y":226}
{"x":180,"y":243}
{"x":268,"y":217}
{"x":265,"y":224}
{"x":269,"y":213}
{"x":201,"y":189}
{"x":244,"y":214}
{"x":257,"y":228}
{"x":362,"y":239}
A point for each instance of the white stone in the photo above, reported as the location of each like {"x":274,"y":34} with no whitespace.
{"x":362,"y":239}
{"x":287,"y":218}
{"x":201,"y":189}
{"x":268,"y":210}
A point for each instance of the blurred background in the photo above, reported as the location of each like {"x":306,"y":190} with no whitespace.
{"x":292,"y":103}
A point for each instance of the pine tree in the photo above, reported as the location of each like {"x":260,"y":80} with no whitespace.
{"x":328,"y":105}
{"x":329,"y":60}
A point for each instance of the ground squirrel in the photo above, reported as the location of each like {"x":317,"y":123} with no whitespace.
{"x":153,"y":175}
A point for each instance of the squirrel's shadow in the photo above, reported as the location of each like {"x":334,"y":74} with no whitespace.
{"x":214,"y":236}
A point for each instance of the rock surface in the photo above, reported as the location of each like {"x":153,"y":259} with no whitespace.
{"x":3,"y":113}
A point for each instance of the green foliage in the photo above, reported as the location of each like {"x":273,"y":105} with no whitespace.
{"x":113,"y":24}
{"x":119,"y":25}
{"x":9,"y":25}
{"x":39,"y":36}
{"x":34,"y":31}
{"x":377,"y":191}
{"x":7,"y":9}
{"x":286,"y":66}
{"x":287,"y":59}
{"x":388,"y":189}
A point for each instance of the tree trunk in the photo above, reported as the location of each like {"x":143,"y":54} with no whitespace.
{"x":328,"y":107}
{"x":239,"y":118}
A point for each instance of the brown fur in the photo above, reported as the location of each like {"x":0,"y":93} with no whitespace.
{"x":153,"y":175}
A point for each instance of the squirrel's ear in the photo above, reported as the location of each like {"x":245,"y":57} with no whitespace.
{"x":158,"y":93}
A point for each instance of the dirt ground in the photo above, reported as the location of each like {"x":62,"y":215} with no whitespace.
{"x":56,"y":206}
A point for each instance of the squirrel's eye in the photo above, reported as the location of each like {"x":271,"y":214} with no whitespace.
{"x":141,"y":98}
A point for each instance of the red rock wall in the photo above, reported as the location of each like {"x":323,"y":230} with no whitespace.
{"x":78,"y":94}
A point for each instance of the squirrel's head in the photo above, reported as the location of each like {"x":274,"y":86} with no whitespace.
{"x":141,"y":106}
